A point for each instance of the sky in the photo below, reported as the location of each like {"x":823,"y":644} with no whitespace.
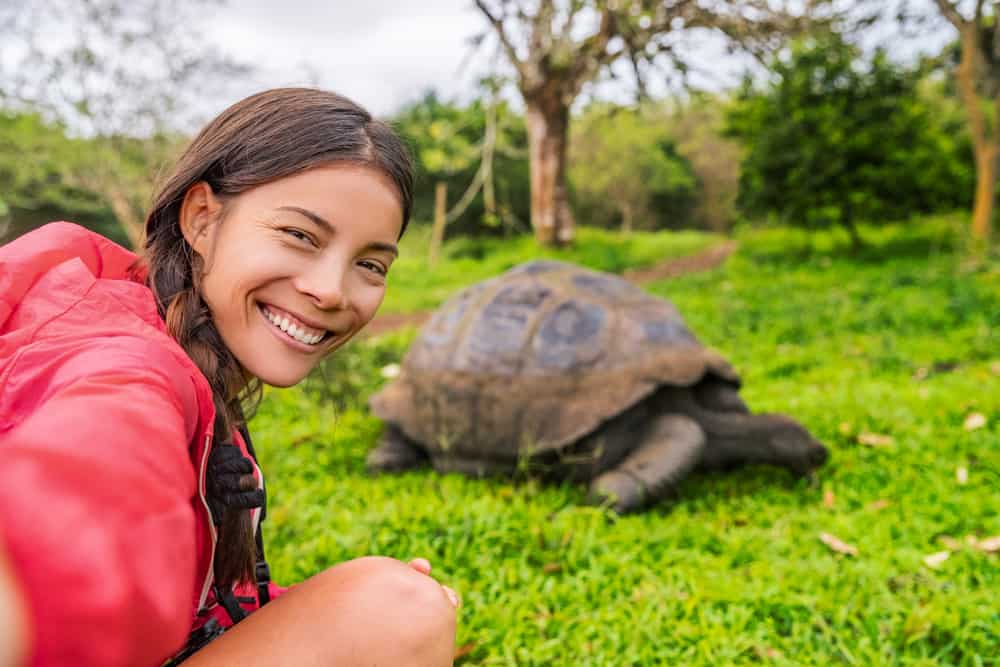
{"x":385,"y":53}
{"x":381,"y":53}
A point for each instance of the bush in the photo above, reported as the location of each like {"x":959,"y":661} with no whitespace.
{"x":834,"y":139}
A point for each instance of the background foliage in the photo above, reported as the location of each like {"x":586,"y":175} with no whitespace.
{"x":834,"y":138}
{"x":625,"y":170}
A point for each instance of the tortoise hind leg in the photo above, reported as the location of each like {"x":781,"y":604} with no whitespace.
{"x":670,"y":448}
{"x":395,"y":452}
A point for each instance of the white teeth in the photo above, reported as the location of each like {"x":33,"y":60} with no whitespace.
{"x":293,"y":330}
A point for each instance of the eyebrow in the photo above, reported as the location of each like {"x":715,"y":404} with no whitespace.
{"x":330,"y":229}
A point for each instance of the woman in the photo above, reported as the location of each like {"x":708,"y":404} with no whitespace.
{"x":128,"y":495}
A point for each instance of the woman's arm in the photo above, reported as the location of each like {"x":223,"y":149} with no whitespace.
{"x":13,"y":619}
{"x":96,"y":485}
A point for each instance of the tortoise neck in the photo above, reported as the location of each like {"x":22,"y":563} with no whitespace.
{"x":731,"y":438}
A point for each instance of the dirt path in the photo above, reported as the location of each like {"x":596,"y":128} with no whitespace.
{"x":671,"y":268}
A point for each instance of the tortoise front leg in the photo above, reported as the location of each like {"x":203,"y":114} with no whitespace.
{"x":395,"y":452}
{"x":669,"y":448}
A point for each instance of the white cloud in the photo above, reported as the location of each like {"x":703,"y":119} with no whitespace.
{"x":380,"y":53}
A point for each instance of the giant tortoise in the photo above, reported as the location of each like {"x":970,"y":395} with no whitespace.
{"x":582,"y":376}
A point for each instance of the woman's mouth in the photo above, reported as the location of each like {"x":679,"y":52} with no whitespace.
{"x":290,"y":328}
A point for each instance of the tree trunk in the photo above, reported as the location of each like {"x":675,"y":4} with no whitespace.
{"x":984,"y":137}
{"x":548,"y":129}
{"x":437,"y":231}
{"x":626,"y":219}
{"x":986,"y":183}
{"x":852,"y":229}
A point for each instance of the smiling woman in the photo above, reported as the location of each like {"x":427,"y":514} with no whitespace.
{"x":266,"y":249}
{"x":295,"y":267}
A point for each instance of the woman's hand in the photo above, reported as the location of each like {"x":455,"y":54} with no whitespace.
{"x":423,"y":566}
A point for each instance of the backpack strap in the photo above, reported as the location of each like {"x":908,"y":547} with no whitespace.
{"x":261,"y":570}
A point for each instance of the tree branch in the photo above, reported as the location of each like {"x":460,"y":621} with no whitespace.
{"x":508,"y":46}
{"x":950,"y":12}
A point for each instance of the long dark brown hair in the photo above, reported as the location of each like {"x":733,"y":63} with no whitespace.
{"x":262,"y":138}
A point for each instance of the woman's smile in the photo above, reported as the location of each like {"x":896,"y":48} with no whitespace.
{"x":292,"y":330}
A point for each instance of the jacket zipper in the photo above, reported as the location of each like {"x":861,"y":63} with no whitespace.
{"x":202,"y":471}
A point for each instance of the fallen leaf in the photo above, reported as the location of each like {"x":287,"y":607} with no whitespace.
{"x":918,"y":624}
{"x":879,"y":504}
{"x":829,"y":499}
{"x":465,"y":649}
{"x":875,"y":439}
{"x":962,"y":475}
{"x":949,"y":542}
{"x":768,"y":652}
{"x":995,"y":367}
{"x":935,"y":560}
{"x":974,"y":420}
{"x":921,"y":373}
{"x":838,"y":545}
{"x":990,"y":545}
{"x":551,"y":568}
{"x":845,"y":428}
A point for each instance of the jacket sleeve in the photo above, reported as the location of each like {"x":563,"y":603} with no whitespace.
{"x":96,"y":484}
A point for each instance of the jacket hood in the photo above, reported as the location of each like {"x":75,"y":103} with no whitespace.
{"x":25,"y":260}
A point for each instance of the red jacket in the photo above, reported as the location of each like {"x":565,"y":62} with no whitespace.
{"x":105,"y":428}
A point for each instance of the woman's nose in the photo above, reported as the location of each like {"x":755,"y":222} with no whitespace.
{"x":326,"y":288}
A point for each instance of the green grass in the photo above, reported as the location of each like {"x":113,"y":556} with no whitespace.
{"x":414,"y":285}
{"x":732,"y":572}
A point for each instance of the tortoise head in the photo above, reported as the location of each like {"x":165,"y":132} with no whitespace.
{"x":793,"y":446}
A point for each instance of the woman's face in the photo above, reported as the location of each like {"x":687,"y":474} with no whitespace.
{"x":295,"y":267}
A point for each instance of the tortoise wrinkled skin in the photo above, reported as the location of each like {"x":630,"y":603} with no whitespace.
{"x":581,"y":375}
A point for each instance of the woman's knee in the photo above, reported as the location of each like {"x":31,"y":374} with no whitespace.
{"x":409,"y":609}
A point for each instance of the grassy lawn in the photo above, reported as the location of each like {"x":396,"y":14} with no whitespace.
{"x":414,"y":285}
{"x":900,"y":341}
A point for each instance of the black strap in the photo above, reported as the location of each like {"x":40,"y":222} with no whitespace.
{"x":227,"y":599}
{"x":261,"y":569}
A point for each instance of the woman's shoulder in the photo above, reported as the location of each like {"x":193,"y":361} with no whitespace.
{"x":81,"y":315}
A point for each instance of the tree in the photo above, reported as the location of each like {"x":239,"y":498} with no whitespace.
{"x":624,"y":166}
{"x":126,"y":74}
{"x":35,"y":158}
{"x":555,"y":55}
{"x":476,"y":150}
{"x":978,"y":79}
{"x":697,"y":125}
{"x":833,"y":139}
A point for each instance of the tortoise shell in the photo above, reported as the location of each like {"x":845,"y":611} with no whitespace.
{"x":535,"y":359}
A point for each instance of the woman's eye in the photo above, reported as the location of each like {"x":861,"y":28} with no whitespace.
{"x":298,"y":234}
{"x":374,"y":266}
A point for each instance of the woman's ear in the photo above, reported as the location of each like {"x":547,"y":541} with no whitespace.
{"x":200,"y":210}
